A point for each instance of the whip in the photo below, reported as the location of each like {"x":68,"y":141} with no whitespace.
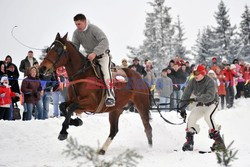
{"x":12,"y":34}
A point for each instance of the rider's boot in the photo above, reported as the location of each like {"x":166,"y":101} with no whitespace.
{"x":188,"y":145}
{"x":218,"y":144}
{"x":105,"y":63}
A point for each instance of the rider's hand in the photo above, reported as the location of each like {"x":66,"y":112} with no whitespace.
{"x":91,"y":56}
{"x":191,"y":100}
{"x":183,"y":113}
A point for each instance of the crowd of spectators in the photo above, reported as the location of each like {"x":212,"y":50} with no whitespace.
{"x":36,"y":91}
{"x":231,"y":79}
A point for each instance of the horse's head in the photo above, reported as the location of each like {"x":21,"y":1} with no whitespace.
{"x":56,"y":55}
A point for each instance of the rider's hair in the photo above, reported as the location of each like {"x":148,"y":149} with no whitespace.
{"x":79,"y":17}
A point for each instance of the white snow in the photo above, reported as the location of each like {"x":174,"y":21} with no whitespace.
{"x":35,"y":144}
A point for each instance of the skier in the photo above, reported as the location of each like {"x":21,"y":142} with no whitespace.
{"x":202,"y":91}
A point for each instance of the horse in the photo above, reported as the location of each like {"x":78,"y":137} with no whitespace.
{"x":83,"y":98}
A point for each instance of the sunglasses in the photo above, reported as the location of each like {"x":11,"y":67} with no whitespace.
{"x":196,"y":73}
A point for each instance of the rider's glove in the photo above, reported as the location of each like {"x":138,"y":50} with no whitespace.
{"x":183,"y":113}
{"x":191,"y":100}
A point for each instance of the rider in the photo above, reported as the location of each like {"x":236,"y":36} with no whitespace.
{"x":203,"y":89}
{"x":96,"y":45}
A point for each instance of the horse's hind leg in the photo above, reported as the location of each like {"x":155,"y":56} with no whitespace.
{"x":143,"y":109}
{"x":113,"y":121}
{"x":63,"y":133}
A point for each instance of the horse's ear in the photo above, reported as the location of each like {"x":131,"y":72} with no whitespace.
{"x":65,"y":37}
{"x":58,"y":36}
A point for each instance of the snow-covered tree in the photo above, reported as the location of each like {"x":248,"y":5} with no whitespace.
{"x":245,"y":34}
{"x":224,"y":33}
{"x":179,"y":49}
{"x":204,"y":47}
{"x":158,"y":44}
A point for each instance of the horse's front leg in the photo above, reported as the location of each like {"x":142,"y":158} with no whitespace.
{"x":113,"y":121}
{"x":63,"y":133}
{"x":63,"y":107}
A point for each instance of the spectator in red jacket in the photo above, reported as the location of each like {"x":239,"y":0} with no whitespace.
{"x":229,"y":74}
{"x":222,"y":88}
{"x":5,"y":98}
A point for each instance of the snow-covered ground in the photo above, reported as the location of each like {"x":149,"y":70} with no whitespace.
{"x":35,"y":144}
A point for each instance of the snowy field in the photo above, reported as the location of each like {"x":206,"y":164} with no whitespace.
{"x":35,"y":144}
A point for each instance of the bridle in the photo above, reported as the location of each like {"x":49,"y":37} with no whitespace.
{"x":60,"y":51}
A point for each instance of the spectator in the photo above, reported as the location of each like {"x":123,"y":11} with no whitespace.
{"x":178,"y":80}
{"x":139,"y":68}
{"x":124,"y":63}
{"x":60,"y":89}
{"x":31,"y":88}
{"x":47,"y":82}
{"x":188,"y":68}
{"x":164,"y":87}
{"x":171,"y":64}
{"x":247,"y":80}
{"x":2,"y":69}
{"x":27,"y":63}
{"x":222,"y":87}
{"x":214,"y":65}
{"x":229,"y":76}
{"x":5,"y":98}
{"x":150,"y":76}
{"x":212,"y":74}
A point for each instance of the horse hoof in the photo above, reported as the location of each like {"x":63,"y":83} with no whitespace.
{"x":79,"y":122}
{"x":62,"y":136}
{"x":101,"y":152}
{"x":76,"y":122}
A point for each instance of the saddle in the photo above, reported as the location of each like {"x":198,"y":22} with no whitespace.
{"x":117,"y":73}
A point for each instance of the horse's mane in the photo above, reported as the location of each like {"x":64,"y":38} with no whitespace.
{"x":84,"y":57}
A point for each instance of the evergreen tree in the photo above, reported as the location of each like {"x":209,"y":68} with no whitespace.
{"x":159,"y":32}
{"x":204,"y":48}
{"x":179,"y":49}
{"x":224,"y":33}
{"x":245,"y":34}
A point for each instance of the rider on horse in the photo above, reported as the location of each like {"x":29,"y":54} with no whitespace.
{"x":96,"y":45}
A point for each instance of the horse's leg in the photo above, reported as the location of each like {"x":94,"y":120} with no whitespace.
{"x":113,"y":121}
{"x":63,"y":107}
{"x":63,"y":133}
{"x":143,"y":109}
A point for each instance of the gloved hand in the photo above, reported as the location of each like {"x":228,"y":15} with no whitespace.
{"x":2,"y":95}
{"x":183,"y":113}
{"x":191,"y":100}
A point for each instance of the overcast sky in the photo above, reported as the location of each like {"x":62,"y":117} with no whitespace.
{"x":123,"y":21}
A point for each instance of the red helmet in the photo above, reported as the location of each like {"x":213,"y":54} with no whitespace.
{"x":200,"y":69}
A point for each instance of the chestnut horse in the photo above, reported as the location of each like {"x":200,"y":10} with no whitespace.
{"x":81,"y":98}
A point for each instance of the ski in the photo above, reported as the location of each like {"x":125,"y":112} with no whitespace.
{"x":196,"y":150}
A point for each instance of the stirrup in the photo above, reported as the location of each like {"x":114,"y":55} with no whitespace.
{"x":110,"y":102}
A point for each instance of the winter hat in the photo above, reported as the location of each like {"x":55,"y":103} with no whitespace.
{"x":4,"y":78}
{"x":211,"y":72}
{"x":136,"y":59}
{"x":200,"y":69}
{"x":214,"y":59}
{"x":233,"y":66}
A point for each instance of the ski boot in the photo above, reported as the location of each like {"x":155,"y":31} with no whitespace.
{"x":218,"y":144}
{"x":188,"y":145}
